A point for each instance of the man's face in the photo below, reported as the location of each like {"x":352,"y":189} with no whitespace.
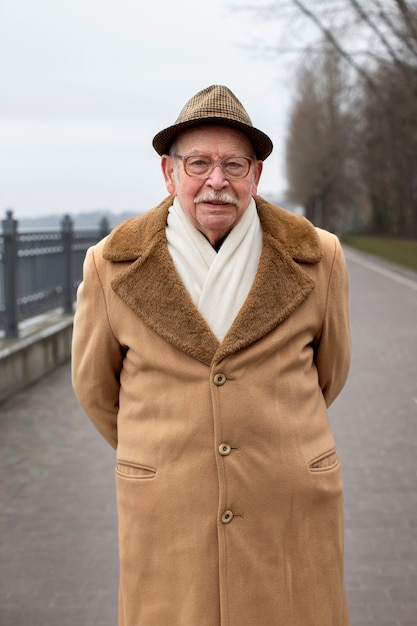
{"x":213,"y":204}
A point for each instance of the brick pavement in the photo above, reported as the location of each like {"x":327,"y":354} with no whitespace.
{"x":58,"y":537}
{"x":58,"y":561}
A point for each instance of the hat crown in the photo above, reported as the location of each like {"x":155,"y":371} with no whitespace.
{"x":214,"y":105}
{"x":214,"y":101}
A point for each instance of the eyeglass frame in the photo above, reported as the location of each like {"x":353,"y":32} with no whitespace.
{"x":214,"y":164}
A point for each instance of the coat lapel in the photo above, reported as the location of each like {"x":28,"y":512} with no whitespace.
{"x":279,"y":287}
{"x":152,"y":288}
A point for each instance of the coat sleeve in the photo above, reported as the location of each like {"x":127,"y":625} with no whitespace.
{"x":333,"y":348}
{"x":97,"y":356}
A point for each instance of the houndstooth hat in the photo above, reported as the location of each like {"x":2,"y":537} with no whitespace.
{"x":214,"y":105}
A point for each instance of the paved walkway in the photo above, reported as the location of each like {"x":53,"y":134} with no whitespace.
{"x":58,"y":543}
{"x":375,"y":425}
{"x":58,"y":536}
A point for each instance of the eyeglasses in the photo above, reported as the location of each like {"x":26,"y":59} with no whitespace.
{"x":200,"y":166}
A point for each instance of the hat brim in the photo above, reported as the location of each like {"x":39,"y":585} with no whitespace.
{"x":262,"y":144}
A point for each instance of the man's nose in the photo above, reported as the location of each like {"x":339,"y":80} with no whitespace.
{"x":217,"y":178}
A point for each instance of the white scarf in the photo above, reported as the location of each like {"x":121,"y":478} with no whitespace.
{"x":218,"y":282}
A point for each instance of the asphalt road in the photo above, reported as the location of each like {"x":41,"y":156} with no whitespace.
{"x":58,"y":538}
{"x":375,"y":425}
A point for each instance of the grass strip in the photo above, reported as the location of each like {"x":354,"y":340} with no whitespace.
{"x":400,"y":251}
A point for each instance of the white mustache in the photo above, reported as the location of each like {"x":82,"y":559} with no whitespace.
{"x":221,"y":197}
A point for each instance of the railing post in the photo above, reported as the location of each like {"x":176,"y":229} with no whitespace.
{"x":104,"y":227}
{"x":67,"y":237}
{"x":10,"y":275}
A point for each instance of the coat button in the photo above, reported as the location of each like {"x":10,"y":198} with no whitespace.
{"x":225,"y":449}
{"x":227,"y":517}
{"x":219,"y":379}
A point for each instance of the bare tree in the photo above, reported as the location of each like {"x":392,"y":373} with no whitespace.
{"x":387,"y":153}
{"x":318,"y":144}
{"x":367,"y":145}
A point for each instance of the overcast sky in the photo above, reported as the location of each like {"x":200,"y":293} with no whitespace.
{"x":86,"y":84}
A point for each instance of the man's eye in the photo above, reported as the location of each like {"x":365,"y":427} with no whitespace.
{"x":199,"y":162}
{"x":234,"y":166}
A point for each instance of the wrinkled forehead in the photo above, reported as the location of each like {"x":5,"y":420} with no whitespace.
{"x":213,"y":139}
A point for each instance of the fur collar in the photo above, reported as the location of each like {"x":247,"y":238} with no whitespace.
{"x":151,"y":287}
{"x":131,"y":239}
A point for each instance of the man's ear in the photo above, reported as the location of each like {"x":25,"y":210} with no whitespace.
{"x":256,"y":178}
{"x":167,"y":165}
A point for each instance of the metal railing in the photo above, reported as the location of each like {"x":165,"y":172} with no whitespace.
{"x":40,"y":271}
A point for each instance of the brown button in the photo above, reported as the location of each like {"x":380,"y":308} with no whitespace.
{"x":227,"y":517}
{"x":219,"y":379}
{"x":225,"y":449}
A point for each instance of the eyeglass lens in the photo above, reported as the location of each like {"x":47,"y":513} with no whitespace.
{"x":200,"y":166}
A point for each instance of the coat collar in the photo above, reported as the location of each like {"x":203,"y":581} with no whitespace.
{"x":151,"y":287}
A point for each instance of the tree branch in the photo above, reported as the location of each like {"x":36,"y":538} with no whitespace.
{"x":409,"y":19}
{"x":365,"y":17}
{"x":398,"y":33}
{"x":329,"y":36}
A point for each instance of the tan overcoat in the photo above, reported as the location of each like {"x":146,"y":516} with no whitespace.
{"x":228,"y":483}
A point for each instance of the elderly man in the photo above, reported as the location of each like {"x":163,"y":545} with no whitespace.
{"x":211,"y":334}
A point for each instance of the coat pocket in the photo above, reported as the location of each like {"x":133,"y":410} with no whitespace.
{"x":326,"y":461}
{"x":126,"y":469}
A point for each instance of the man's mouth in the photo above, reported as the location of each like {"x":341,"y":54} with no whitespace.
{"x":216,"y":199}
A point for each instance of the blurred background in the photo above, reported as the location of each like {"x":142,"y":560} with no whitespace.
{"x":86,"y":84}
